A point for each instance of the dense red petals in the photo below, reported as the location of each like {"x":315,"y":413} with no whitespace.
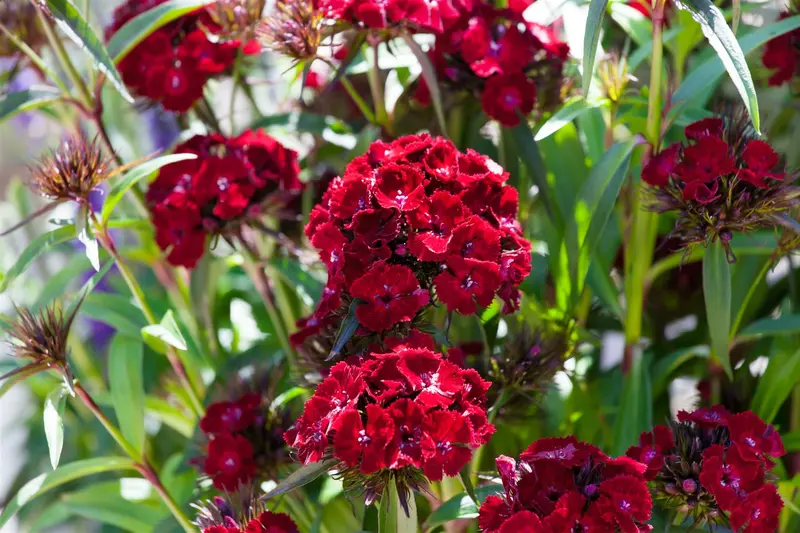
{"x":447,"y":449}
{"x":522,"y":522}
{"x":759,"y":156}
{"x":753,"y":437}
{"x":269,"y":522}
{"x":706,"y":160}
{"x":707,"y":127}
{"x":492,"y":514}
{"x":567,"y":450}
{"x":760,"y":512}
{"x":399,"y":187}
{"x":230,"y":417}
{"x":509,"y":98}
{"x":354,"y":443}
{"x":475,"y":239}
{"x":701,"y":192}
{"x":391,"y":294}
{"x":467,"y":283}
{"x":229,"y":461}
{"x":651,"y":449}
{"x":728,"y":477}
{"x":660,"y":167}
{"x":709,"y":417}
{"x":629,"y":501}
{"x":781,"y":55}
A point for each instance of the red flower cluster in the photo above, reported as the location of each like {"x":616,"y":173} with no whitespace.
{"x":509,"y":63}
{"x":231,"y":179}
{"x":404,"y":409}
{"x":413,"y":215}
{"x":245,"y":441}
{"x":712,"y":462}
{"x":562,"y":485}
{"x":425,"y":15}
{"x":173,"y":64}
{"x":782,"y":54}
{"x":723,"y":180}
{"x":266,"y":522}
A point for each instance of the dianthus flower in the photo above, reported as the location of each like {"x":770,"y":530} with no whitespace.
{"x":406,"y":413}
{"x":245,"y":440}
{"x":416,"y":220}
{"x":712,"y":466}
{"x":415,"y":15}
{"x":511,"y":65}
{"x":230,"y":181}
{"x":723,"y":180}
{"x":244,"y":514}
{"x":562,"y":485}
{"x":782,"y":54}
{"x":173,"y":64}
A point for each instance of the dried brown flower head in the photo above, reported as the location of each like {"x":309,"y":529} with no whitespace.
{"x":295,"y":29}
{"x":71,"y":171}
{"x":19,"y":18}
{"x":41,"y":339}
{"x":237,"y":19}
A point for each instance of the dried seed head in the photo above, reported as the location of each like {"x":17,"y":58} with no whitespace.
{"x":19,"y":17}
{"x":237,"y":19}
{"x":294,"y":29}
{"x":233,"y":511}
{"x":41,"y":338}
{"x":71,"y":171}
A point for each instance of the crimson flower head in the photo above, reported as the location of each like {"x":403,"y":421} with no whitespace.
{"x":242,"y":514}
{"x":232,"y":181}
{"x":512,"y":66}
{"x":390,"y":16}
{"x":244,"y":435}
{"x":172,"y":65}
{"x":413,"y":222}
{"x":723,"y":180}
{"x":406,"y":413}
{"x":562,"y":485}
{"x":782,"y":54}
{"x":712,"y":467}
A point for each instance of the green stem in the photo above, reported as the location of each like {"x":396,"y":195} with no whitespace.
{"x":644,"y":227}
{"x":376,"y":87}
{"x":455,"y":125}
{"x":142,"y":465}
{"x":36,"y":59}
{"x":84,"y":95}
{"x":360,"y":103}
{"x":750,"y":292}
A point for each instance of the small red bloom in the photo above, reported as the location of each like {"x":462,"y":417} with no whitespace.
{"x":522,"y":522}
{"x":400,"y":187}
{"x":728,"y":476}
{"x":707,"y":127}
{"x":366,"y":446}
{"x":781,"y":55}
{"x":708,"y":417}
{"x":652,"y":446}
{"x":706,"y":160}
{"x":661,"y":167}
{"x":754,"y":438}
{"x":269,"y":522}
{"x":467,"y":283}
{"x":448,"y":448}
{"x":760,"y":512}
{"x":229,"y":461}
{"x":759,"y":156}
{"x":509,"y":98}
{"x":391,"y":295}
{"x":230,"y":417}
{"x":701,"y":192}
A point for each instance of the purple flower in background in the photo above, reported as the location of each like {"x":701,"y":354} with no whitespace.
{"x":162,"y":126}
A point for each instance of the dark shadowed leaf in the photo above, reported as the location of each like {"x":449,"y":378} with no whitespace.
{"x":717,"y":292}
{"x":126,"y":382}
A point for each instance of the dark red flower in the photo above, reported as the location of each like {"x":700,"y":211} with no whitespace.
{"x":781,"y":54}
{"x":522,"y":522}
{"x":660,"y":167}
{"x":700,"y":192}
{"x":269,"y":522}
{"x":229,"y":461}
{"x":509,"y":98}
{"x":708,"y":417}
{"x":467,"y":283}
{"x":754,"y":438}
{"x":434,"y":223}
{"x":727,"y":476}
{"x":651,"y":449}
{"x":706,"y":160}
{"x":707,"y":127}
{"x":230,"y":417}
{"x":365,"y":447}
{"x":448,"y":448}
{"x":760,"y":512}
{"x":391,"y":294}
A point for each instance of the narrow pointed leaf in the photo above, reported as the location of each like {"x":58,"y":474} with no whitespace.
{"x":528,"y":151}
{"x":127,"y":388}
{"x":717,"y":292}
{"x":54,"y":424}
{"x":591,"y":39}
{"x":461,"y":506}
{"x":17,"y":102}
{"x":300,"y":477}
{"x":771,"y":327}
{"x":134,"y":176}
{"x":8,"y":380}
{"x":86,"y":236}
{"x":777,"y":383}
{"x":143,"y":25}
{"x":568,"y":112}
{"x":346,"y":330}
{"x":71,"y":22}
{"x":429,"y":75}
{"x":635,"y":412}
{"x":37,"y":247}
{"x":167,"y":332}
{"x":63,"y":474}
{"x":724,"y":42}
{"x":392,"y":516}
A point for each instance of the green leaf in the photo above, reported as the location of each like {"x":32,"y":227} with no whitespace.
{"x":771,"y":327}
{"x":37,"y":247}
{"x":571,"y":109}
{"x":57,"y":284}
{"x":666,"y":366}
{"x":170,"y":415}
{"x":134,"y":175}
{"x":63,"y":474}
{"x":429,"y":75}
{"x":777,"y":383}
{"x":54,"y":423}
{"x":522,"y":137}
{"x":709,"y":72}
{"x":461,"y":506}
{"x":635,"y":412}
{"x":116,"y":311}
{"x":17,"y":102}
{"x":128,"y":504}
{"x":591,"y":38}
{"x":303,"y":122}
{"x":73,"y":24}
{"x":392,"y":516}
{"x":166,"y":333}
{"x":86,"y":236}
{"x":724,"y":42}
{"x":717,"y":293}
{"x":346,"y":330}
{"x":638,"y":27}
{"x":300,"y":477}
{"x":592,"y":211}
{"x":125,"y":356}
{"x":143,"y":25}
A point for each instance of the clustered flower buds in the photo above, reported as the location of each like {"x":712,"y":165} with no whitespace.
{"x":782,"y":54}
{"x":510,"y":64}
{"x":71,"y":171}
{"x":244,"y":515}
{"x":562,"y":485}
{"x":237,"y":19}
{"x":40,"y":339}
{"x":722,"y":181}
{"x":403,"y":413}
{"x":294,"y":29}
{"x":231,"y":180}
{"x":19,"y":17}
{"x":413,"y":216}
{"x":245,"y":440}
{"x":712,"y":466}
{"x":173,"y":64}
